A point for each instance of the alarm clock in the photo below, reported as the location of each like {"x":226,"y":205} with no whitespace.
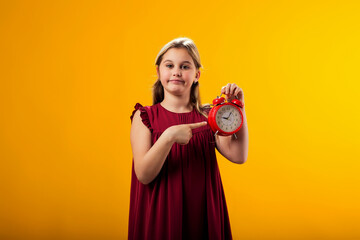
{"x":225,"y":118}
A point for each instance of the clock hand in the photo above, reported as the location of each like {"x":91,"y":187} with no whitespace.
{"x":228,"y":116}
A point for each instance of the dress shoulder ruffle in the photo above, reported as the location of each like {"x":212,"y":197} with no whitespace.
{"x":143,"y":114}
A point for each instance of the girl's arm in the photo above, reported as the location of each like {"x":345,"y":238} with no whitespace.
{"x":234,"y":149}
{"x":148,"y":160}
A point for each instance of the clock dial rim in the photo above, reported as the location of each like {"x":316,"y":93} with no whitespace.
{"x":212,"y":119}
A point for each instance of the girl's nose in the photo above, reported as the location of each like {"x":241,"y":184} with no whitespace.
{"x":177,"y":72}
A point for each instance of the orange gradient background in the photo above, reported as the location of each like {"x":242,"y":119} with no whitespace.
{"x":72,"y":71}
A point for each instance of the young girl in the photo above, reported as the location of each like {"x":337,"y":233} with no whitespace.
{"x":176,"y":189}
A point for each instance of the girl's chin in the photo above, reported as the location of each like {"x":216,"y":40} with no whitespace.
{"x":176,"y":90}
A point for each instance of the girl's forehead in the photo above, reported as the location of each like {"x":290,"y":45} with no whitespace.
{"x":177,"y":55}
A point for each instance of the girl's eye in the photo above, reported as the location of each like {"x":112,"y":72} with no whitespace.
{"x":184,"y":66}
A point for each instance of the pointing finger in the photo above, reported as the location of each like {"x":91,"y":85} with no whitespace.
{"x":197,"y":125}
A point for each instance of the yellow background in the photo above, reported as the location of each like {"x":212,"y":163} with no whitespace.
{"x":72,"y":71}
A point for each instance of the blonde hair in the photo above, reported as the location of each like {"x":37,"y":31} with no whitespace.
{"x":158,"y":89}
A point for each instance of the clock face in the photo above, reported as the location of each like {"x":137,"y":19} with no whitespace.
{"x":228,"y":118}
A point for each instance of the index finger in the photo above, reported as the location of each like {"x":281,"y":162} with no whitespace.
{"x":197,"y":125}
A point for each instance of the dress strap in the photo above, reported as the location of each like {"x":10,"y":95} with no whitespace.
{"x":143,"y":114}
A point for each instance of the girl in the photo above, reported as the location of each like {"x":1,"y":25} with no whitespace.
{"x":176,"y":189}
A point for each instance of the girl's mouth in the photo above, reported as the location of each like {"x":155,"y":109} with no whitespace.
{"x":177,"y":81}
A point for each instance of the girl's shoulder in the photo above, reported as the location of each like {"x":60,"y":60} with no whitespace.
{"x":137,"y":106}
{"x":144,"y":114}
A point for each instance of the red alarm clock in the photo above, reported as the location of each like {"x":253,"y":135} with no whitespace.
{"x":225,"y":118}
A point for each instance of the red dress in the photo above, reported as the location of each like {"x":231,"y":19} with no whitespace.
{"x":186,"y":200}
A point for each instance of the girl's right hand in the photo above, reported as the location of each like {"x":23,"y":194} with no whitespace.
{"x":182,"y":133}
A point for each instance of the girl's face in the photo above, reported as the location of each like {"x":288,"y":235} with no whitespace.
{"x":177,"y":71}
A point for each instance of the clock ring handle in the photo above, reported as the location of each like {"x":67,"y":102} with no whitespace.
{"x":222,"y":94}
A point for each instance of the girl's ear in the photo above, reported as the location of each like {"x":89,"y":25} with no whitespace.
{"x":157,"y":72}
{"x":197,"y":76}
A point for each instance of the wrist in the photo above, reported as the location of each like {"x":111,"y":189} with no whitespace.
{"x":168,"y":136}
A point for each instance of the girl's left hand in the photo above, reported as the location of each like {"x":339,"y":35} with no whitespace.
{"x":231,"y":90}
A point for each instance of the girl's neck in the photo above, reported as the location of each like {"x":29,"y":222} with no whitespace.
{"x":178,"y":104}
